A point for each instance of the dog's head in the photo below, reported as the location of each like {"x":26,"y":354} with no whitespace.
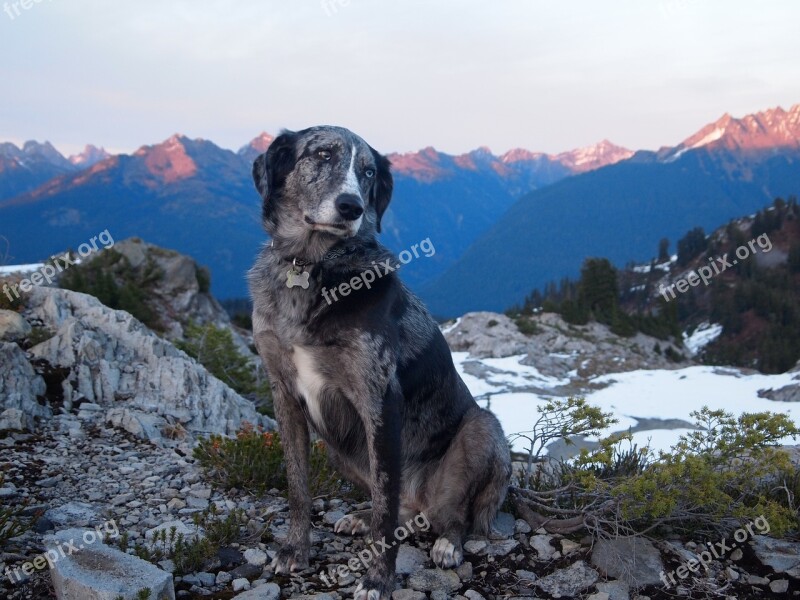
{"x":323,"y":180}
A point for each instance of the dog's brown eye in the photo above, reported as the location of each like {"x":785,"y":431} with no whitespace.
{"x":324,"y":155}
{"x":370,"y":173}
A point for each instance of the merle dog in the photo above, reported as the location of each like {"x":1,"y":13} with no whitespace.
{"x":370,"y":373}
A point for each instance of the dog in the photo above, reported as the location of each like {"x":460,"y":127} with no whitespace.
{"x":370,"y":374}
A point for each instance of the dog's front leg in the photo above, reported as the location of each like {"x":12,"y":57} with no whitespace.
{"x":382,"y":423}
{"x":293,"y":555}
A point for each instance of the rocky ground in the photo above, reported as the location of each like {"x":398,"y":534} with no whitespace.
{"x":98,"y":417}
{"x":75,"y":472}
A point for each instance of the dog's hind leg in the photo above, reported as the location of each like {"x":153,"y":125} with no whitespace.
{"x":469,"y":486}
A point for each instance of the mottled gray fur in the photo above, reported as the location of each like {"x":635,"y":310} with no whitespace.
{"x":370,"y":373}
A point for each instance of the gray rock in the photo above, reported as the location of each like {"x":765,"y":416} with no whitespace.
{"x":541,"y":543}
{"x":501,"y":548}
{"x":779,"y":586}
{"x":788,"y":393}
{"x":332,"y":516}
{"x":476,"y":546}
{"x":633,"y":560}
{"x":409,"y":559}
{"x":429,"y":580}
{"x":99,"y":572}
{"x":782,"y":555}
{"x":13,"y":419}
{"x":616,"y":590}
{"x":239,"y":584}
{"x":20,"y":388}
{"x":521,"y":526}
{"x":408,"y":595}
{"x":256,"y":557}
{"x":599,"y":596}
{"x":12,"y":326}
{"x":526,"y":576}
{"x":148,"y":386}
{"x":74,"y":514}
{"x":464,"y":571}
{"x":503,"y":526}
{"x":473,"y":595}
{"x":472,"y":334}
{"x":268,"y":591}
{"x":568,"y":582}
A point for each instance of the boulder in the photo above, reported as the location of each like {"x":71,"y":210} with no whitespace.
{"x":20,"y":389}
{"x":12,"y":326}
{"x":634,"y":560}
{"x":147,"y":386}
{"x":98,"y":572}
{"x":569,"y":582}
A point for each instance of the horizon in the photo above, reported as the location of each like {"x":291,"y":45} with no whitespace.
{"x":68,"y":154}
{"x":455,"y":76}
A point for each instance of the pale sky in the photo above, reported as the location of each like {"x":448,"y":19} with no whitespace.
{"x":547,"y":75}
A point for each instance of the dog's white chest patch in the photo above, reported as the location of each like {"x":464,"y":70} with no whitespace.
{"x":309,"y":382}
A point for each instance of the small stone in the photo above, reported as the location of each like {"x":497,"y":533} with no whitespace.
{"x":568,"y":547}
{"x":332,"y":516}
{"x":503,"y":527}
{"x":473,"y":595}
{"x":176,"y":504}
{"x":779,"y":586}
{"x":732,"y":574}
{"x":223,"y":578}
{"x":240,"y":584}
{"x":599,"y":596}
{"x":737,"y":555}
{"x":409,"y":559}
{"x":521,"y":526}
{"x":541,"y":543}
{"x":429,"y":580}
{"x":464,"y":571}
{"x":270,"y":591}
{"x":475,"y":546}
{"x":256,"y":557}
{"x":408,"y":595}
{"x":528,"y":576}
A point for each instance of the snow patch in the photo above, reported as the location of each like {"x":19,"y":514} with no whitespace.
{"x":702,"y":337}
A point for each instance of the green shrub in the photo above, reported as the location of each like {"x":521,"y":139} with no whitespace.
{"x":110,"y":278}
{"x":254,"y":461}
{"x":214,"y":348}
{"x":191,"y":555}
{"x":527,"y":326}
{"x":11,"y":520}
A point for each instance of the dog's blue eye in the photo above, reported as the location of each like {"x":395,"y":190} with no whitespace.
{"x":324,"y":154}
{"x":370,"y":173}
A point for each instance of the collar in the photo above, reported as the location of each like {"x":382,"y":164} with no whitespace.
{"x":299,"y":263}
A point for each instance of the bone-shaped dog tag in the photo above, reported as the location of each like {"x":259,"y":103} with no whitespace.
{"x":294,"y":278}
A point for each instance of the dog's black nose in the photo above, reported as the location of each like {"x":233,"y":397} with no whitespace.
{"x":349,"y":206}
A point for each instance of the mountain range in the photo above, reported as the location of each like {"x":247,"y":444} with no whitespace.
{"x":621,"y":211}
{"x":501,"y":224}
{"x":198,"y":198}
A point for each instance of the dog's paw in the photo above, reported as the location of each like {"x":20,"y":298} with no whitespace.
{"x":373,"y":589}
{"x":351,"y":525}
{"x":446,"y":554}
{"x":289,"y":559}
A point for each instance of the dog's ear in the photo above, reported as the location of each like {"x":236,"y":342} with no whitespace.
{"x":272,"y":167}
{"x":381,"y":192}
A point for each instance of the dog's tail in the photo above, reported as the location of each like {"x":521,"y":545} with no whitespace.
{"x":488,"y":501}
